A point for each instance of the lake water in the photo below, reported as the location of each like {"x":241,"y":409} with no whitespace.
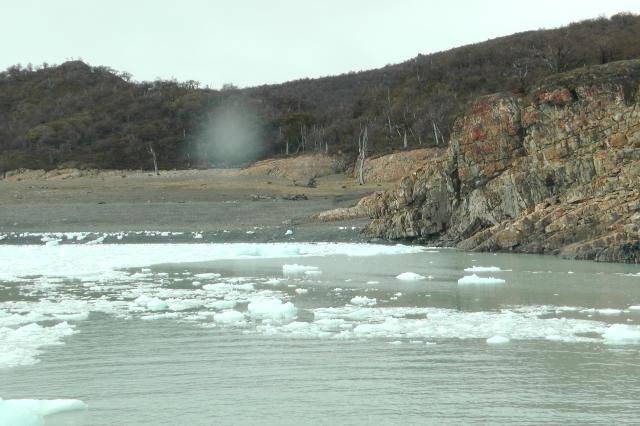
{"x":199,"y":334}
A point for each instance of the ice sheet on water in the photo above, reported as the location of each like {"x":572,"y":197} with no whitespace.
{"x":21,"y":345}
{"x":31,"y":412}
{"x":476,"y":280}
{"x":410,"y":276}
{"x":229,"y":317}
{"x":272,"y":309}
{"x":622,"y":334}
{"x":293,"y":269}
{"x":483,"y":269}
{"x":101,"y":261}
{"x":497,"y":340}
{"x":363,"y":301}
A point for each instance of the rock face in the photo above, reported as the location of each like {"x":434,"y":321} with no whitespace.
{"x":554,"y":171}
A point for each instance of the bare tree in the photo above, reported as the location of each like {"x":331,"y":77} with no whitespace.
{"x":155,"y":159}
{"x":363,"y":139}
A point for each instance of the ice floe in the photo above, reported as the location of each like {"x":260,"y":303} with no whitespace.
{"x":483,"y":269}
{"x":621,"y":334}
{"x":363,"y":301}
{"x":410,"y":276}
{"x":31,"y":412}
{"x":475,"y":279}
{"x":497,"y":340}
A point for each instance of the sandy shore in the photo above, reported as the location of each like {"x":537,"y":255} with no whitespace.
{"x":247,"y":207}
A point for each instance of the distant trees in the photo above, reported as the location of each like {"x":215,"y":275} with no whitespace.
{"x":99,"y":117}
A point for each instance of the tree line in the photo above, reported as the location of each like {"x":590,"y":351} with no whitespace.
{"x":77,"y":115}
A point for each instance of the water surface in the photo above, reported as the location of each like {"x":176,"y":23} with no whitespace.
{"x":205,"y":334}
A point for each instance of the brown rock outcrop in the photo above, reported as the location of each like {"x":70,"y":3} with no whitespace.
{"x":554,"y":171}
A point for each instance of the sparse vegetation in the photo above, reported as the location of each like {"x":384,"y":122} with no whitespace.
{"x":77,"y":115}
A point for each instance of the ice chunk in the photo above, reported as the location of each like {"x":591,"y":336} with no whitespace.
{"x":621,"y":334}
{"x":289,"y":232}
{"x":474,"y":279}
{"x":609,"y":311}
{"x":31,"y":412}
{"x":363,"y":301}
{"x":207,"y":276}
{"x":634,"y":308}
{"x":22,"y":345}
{"x":410,"y":276}
{"x":313,"y":273}
{"x":483,"y":269}
{"x":301,"y":290}
{"x":298,"y":269}
{"x":497,"y":340}
{"x":151,"y":303}
{"x":228,"y":317}
{"x":272,"y":308}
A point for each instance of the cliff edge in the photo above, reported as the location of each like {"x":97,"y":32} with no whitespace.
{"x":555,"y":170}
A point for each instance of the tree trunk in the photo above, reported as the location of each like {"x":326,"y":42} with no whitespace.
{"x":155,"y":160}
{"x":362,"y":143}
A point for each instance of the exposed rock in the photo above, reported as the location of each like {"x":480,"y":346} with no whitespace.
{"x":555,"y":171}
{"x":300,"y":168}
{"x":393,"y":167}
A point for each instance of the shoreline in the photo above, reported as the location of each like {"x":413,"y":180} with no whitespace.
{"x":238,"y":207}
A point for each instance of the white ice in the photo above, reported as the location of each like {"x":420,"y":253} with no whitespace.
{"x":31,"y":412}
{"x":363,"y":301}
{"x":474,"y":279}
{"x":410,"y":276}
{"x":497,"y":340}
{"x":483,"y":269}
{"x":621,"y":334}
{"x":272,"y":308}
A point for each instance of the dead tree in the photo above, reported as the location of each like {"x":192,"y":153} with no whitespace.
{"x":363,"y":139}
{"x":155,"y":160}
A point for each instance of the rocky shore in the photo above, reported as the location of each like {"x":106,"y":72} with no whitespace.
{"x":554,"y":171}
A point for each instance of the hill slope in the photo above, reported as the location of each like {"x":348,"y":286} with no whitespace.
{"x":554,"y":171}
{"x":93,"y":116}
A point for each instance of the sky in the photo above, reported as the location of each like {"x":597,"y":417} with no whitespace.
{"x":253,"y":42}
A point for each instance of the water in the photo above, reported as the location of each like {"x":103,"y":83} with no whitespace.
{"x":145,"y":344}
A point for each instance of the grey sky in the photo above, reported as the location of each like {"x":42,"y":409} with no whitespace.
{"x":251,"y":42}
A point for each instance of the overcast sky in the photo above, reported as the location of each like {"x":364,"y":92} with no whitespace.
{"x":251,"y":42}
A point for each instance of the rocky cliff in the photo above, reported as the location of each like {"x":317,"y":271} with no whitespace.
{"x":555,"y":170}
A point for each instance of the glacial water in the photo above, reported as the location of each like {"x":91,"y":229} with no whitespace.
{"x":196,"y":333}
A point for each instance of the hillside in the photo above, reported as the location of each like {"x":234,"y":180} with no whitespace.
{"x":555,"y":171}
{"x":82,"y":116}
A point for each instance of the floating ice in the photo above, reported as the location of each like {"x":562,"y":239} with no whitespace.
{"x":474,"y":279}
{"x":363,"y":301}
{"x":313,"y":272}
{"x":151,"y":303}
{"x":289,"y":232}
{"x":497,"y":340}
{"x":301,"y":290}
{"x":271,"y":308}
{"x":621,"y":334}
{"x":609,"y":311}
{"x":483,"y":269}
{"x":207,"y":276}
{"x":298,"y":269}
{"x":103,"y":261}
{"x":21,"y":346}
{"x":634,"y":308}
{"x":229,"y":317}
{"x":31,"y":412}
{"x":410,"y":276}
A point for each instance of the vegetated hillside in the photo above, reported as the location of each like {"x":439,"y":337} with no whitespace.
{"x":93,"y":116}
